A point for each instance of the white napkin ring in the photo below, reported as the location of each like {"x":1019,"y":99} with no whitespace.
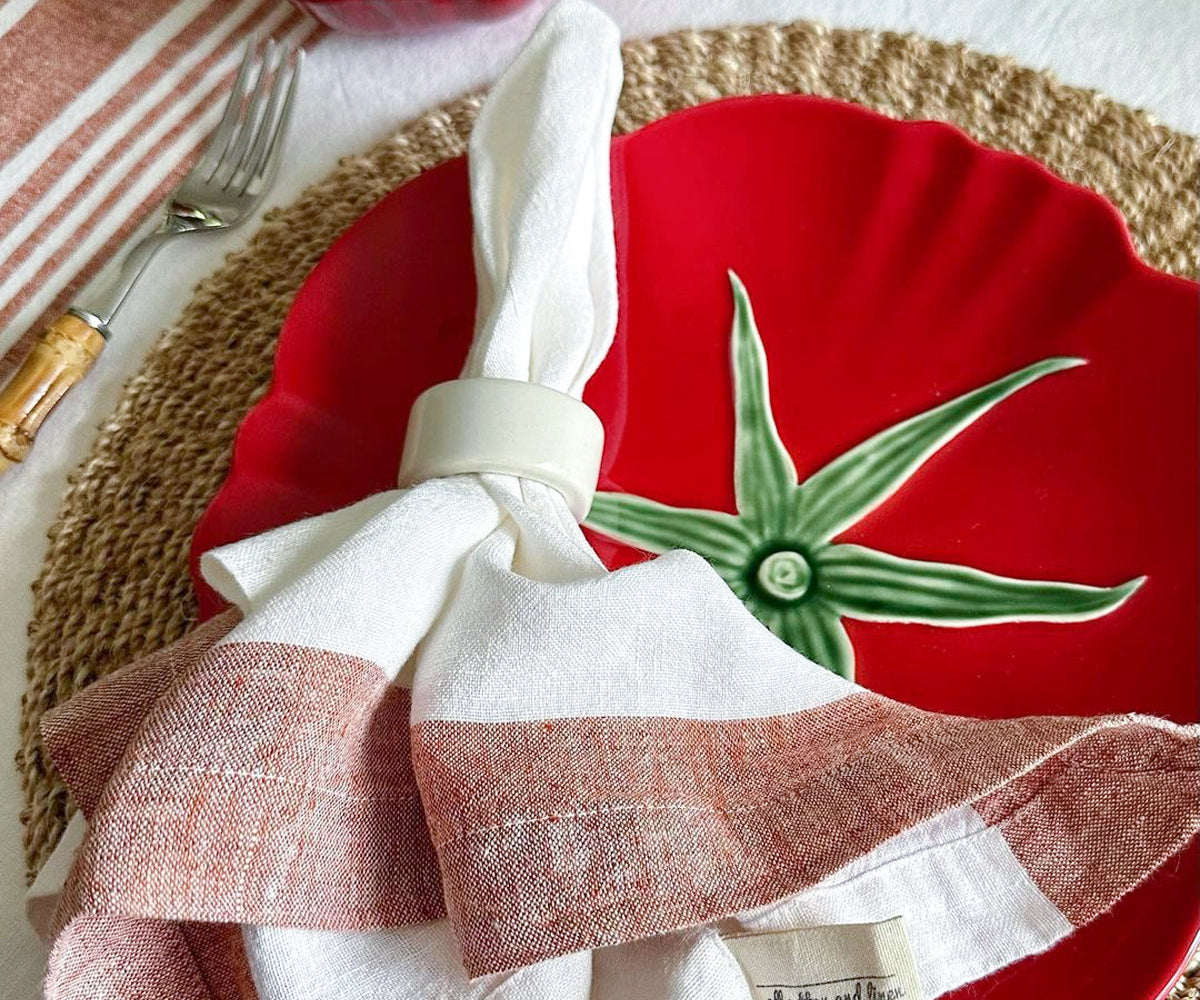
{"x":503,"y":425}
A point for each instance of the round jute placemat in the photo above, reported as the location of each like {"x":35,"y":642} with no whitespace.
{"x":115,"y":583}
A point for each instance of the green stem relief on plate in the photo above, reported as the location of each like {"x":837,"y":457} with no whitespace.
{"x":776,"y":554}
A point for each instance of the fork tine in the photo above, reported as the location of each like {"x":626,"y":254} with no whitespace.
{"x":228,"y":165}
{"x":233,"y":107}
{"x":269,"y":159}
{"x":253,"y":160}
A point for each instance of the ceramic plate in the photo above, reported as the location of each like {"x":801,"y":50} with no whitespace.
{"x":893,"y":268}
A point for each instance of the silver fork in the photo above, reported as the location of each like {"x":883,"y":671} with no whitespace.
{"x":229,"y":179}
{"x":223,"y":188}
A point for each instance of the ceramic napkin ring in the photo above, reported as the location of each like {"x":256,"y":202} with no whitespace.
{"x":506,"y":426}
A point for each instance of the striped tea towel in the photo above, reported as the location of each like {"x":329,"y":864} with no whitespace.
{"x":437,"y":750}
{"x":102,"y":107}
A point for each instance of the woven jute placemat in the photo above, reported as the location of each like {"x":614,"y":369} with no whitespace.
{"x":115,"y":583}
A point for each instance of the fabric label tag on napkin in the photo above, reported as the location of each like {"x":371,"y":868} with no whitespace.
{"x":841,"y":962}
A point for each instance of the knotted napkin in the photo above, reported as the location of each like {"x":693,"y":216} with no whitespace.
{"x":438,"y":750}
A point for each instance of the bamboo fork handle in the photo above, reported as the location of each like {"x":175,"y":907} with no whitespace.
{"x":61,"y":356}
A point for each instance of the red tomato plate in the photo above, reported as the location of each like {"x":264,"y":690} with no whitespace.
{"x":892,"y":267}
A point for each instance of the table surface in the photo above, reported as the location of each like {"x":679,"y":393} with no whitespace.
{"x":356,"y":91}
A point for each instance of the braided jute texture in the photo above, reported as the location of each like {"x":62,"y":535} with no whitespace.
{"x":115,"y":583}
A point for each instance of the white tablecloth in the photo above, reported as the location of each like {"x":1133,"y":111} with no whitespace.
{"x":1143,"y":52}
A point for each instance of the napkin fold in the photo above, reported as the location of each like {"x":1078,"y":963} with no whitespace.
{"x":437,"y":749}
